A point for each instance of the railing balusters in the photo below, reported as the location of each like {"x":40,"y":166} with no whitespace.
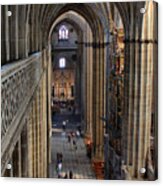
{"x":17,"y":80}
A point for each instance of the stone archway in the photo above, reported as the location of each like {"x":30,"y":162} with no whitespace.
{"x":95,"y":97}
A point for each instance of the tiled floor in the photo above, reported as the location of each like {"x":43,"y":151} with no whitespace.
{"x":73,"y":160}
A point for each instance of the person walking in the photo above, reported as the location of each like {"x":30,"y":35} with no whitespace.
{"x":59,"y":158}
{"x":69,"y":138}
{"x":71,"y":175}
{"x":74,"y":144}
{"x":64,"y":125}
{"x":59,"y":169}
{"x":77,"y":134}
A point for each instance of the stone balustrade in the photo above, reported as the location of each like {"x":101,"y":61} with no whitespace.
{"x":19,"y":82}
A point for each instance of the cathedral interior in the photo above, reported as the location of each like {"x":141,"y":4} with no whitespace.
{"x":84,"y":72}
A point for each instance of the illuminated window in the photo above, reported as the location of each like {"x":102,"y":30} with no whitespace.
{"x":63,"y":33}
{"x":62,"y":62}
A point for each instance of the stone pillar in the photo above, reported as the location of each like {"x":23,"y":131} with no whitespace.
{"x":20,"y":158}
{"x":3,"y":41}
{"x":138,"y":95}
{"x":24,"y":152}
{"x":31,"y":31}
{"x":98,"y":97}
{"x":78,"y":81}
{"x":41,"y":130}
{"x":98,"y":108}
{"x":90,"y":92}
{"x":7,"y":43}
{"x":45,"y":127}
{"x":38,"y":133}
{"x":13,"y":20}
{"x":147,"y":64}
{"x":89,"y":75}
{"x":15,"y":161}
{"x":22,"y":29}
{"x":84,"y":80}
{"x":48,"y":89}
{"x":107,"y":69}
{"x":155,"y":92}
{"x":30,"y":142}
{"x":34,"y":140}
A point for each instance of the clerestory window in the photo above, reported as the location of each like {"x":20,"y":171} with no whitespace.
{"x":62,"y":62}
{"x":63,"y":33}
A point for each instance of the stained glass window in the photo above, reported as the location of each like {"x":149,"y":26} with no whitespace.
{"x":62,"y":62}
{"x":63,"y":33}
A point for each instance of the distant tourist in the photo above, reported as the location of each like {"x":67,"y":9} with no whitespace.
{"x":59,"y":157}
{"x":59,"y":169}
{"x":70,"y":175}
{"x":74,"y":144}
{"x":77,"y":134}
{"x":64,"y":125}
{"x":69,"y":138}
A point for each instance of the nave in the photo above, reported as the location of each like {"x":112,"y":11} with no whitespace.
{"x":100,"y":59}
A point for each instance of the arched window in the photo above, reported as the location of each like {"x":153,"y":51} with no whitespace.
{"x":63,"y":33}
{"x":62,"y":62}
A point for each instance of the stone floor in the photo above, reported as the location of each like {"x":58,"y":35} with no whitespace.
{"x":73,"y":160}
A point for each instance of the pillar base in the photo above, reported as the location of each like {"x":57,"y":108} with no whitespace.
{"x":87,"y":139}
{"x":88,"y":144}
{"x":98,"y":167}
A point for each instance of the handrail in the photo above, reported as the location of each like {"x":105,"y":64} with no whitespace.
{"x":19,"y":81}
{"x":9,"y":69}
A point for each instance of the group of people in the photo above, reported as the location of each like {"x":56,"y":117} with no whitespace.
{"x":68,"y":175}
{"x":71,"y":139}
{"x":72,"y":136}
{"x":58,"y":106}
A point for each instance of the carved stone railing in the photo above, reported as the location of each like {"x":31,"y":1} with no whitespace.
{"x":19,"y":81}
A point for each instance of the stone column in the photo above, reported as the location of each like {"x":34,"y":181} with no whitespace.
{"x":155,"y":92}
{"x":34,"y":140}
{"x":98,"y":99}
{"x":138,"y":95}
{"x":147,"y":64}
{"x":20,"y":158}
{"x":41,"y":130}
{"x":13,"y":20}
{"x":84,"y":80}
{"x":89,"y":85}
{"x":7,"y":43}
{"x":31,"y":31}
{"x":48,"y":89}
{"x":15,"y":161}
{"x":38,"y":132}
{"x":24,"y":152}
{"x":30,"y":142}
{"x":45,"y":127}
{"x":98,"y":107}
{"x":22,"y":29}
{"x":90,"y":96}
{"x":3,"y":41}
